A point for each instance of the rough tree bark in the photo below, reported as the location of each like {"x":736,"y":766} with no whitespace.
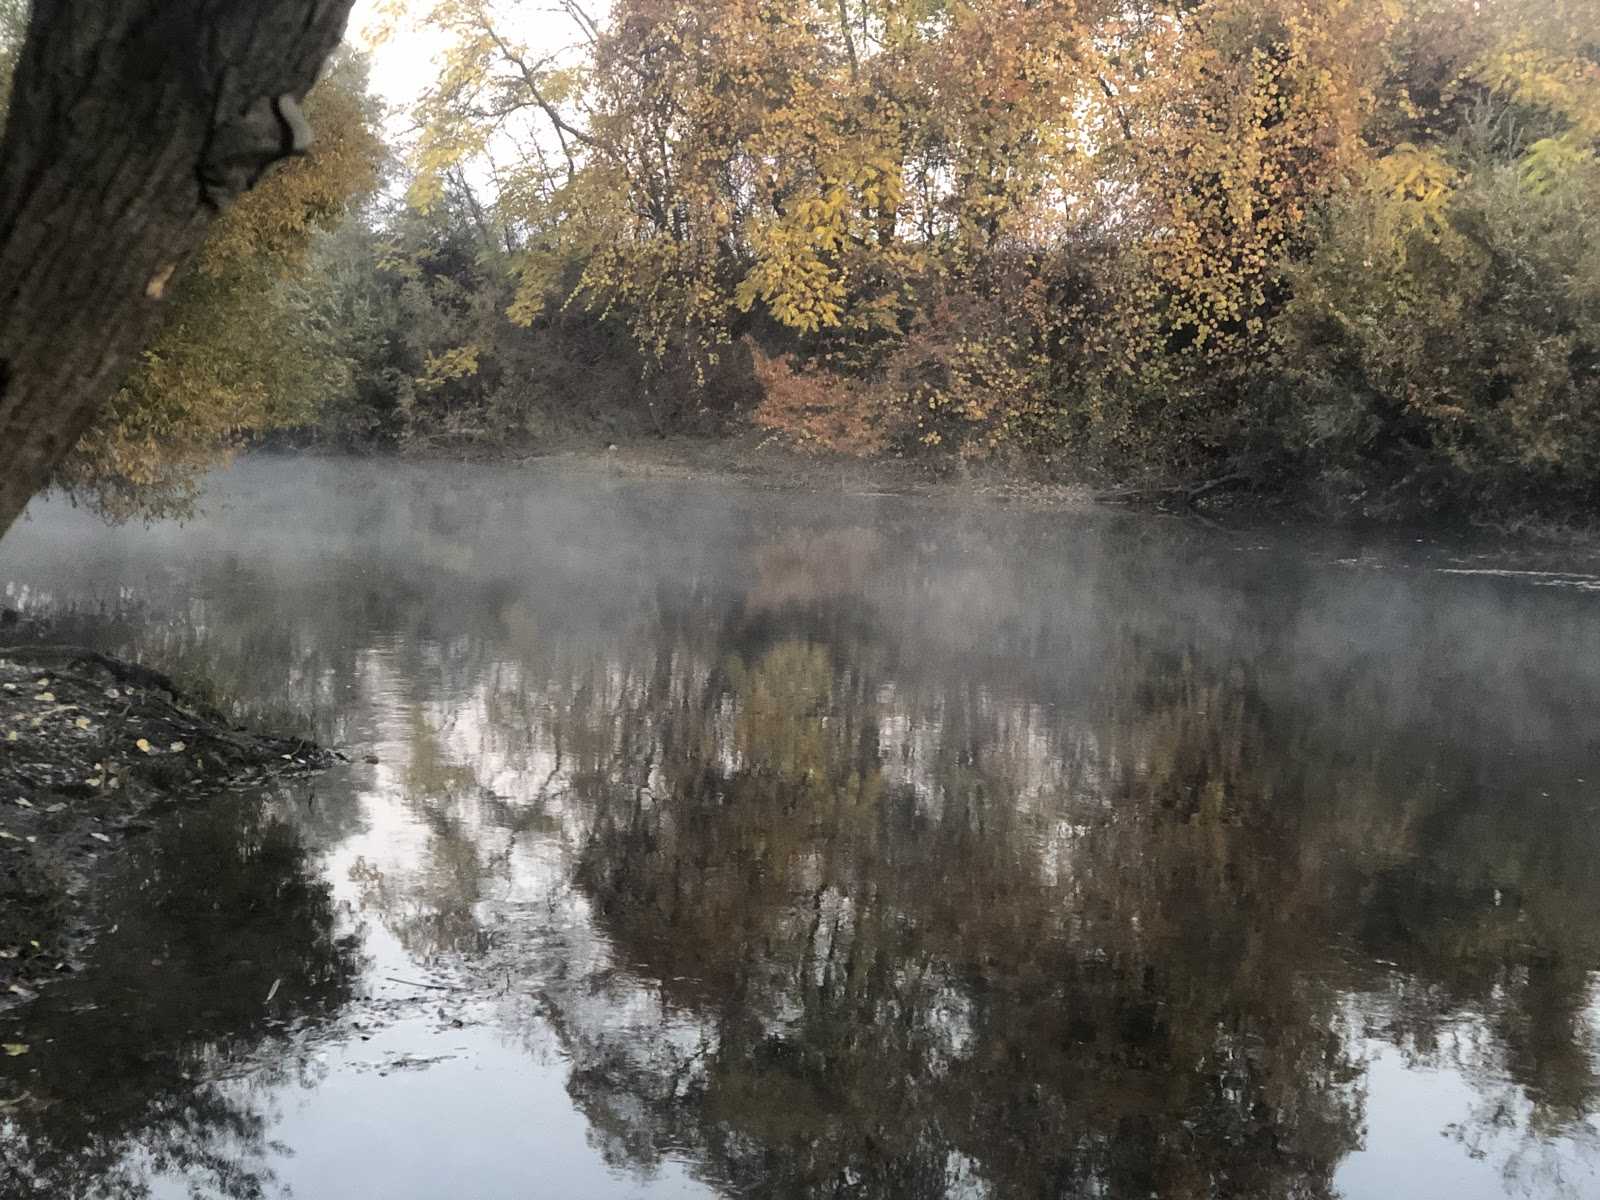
{"x":132,"y":123}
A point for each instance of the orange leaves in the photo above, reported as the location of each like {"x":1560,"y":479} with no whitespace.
{"x":815,"y":409}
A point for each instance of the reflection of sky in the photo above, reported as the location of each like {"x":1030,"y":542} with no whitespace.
{"x":1424,"y":1124}
{"x":1426,"y":1140}
{"x":483,"y":1124}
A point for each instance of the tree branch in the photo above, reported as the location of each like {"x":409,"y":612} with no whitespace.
{"x":562,"y":129}
{"x":1122,"y":117}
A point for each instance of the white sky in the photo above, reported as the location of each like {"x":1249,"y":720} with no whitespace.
{"x":406,"y":62}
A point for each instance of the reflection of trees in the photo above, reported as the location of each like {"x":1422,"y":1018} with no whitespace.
{"x":204,"y":918}
{"x":1132,"y":982}
{"x":907,"y":987}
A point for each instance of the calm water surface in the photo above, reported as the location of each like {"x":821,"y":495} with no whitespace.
{"x":719,"y":843}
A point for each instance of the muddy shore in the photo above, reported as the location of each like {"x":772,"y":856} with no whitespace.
{"x":763,"y":462}
{"x":90,"y":747}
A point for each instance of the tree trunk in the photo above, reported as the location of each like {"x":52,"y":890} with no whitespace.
{"x":131,"y":124}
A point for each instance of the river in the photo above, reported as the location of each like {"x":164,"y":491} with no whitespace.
{"x":706,"y":841}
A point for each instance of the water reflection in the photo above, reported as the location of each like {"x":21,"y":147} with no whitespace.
{"x":871,"y":849}
{"x":217,"y":950}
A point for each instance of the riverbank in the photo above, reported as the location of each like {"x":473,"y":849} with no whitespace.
{"x":90,"y":746}
{"x":752,"y":459}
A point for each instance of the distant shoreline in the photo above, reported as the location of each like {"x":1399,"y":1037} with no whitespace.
{"x":749,"y":459}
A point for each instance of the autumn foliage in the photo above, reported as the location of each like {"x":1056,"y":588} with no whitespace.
{"x":240,"y":351}
{"x":1336,"y":249}
{"x":1297,"y":242}
{"x":813,"y":408}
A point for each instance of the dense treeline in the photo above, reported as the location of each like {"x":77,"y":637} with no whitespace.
{"x":1341,"y":252}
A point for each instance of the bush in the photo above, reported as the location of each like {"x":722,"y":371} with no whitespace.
{"x":1450,"y":360}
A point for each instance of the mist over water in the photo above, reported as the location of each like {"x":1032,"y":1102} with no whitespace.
{"x":724,"y":842}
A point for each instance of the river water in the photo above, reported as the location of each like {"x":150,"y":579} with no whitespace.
{"x":703,"y":841}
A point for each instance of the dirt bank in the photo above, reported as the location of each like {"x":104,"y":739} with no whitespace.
{"x":753,"y":459}
{"x":90,"y":746}
{"x":756,"y":460}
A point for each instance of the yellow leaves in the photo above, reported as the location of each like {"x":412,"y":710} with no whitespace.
{"x":275,"y":222}
{"x":1419,"y":183}
{"x":1413,"y":174}
{"x":454,"y":363}
{"x":1541,"y":77}
{"x":1249,"y":120}
{"x":385,"y":18}
{"x":1551,"y":160}
{"x":797,"y":269}
{"x":735,"y":157}
{"x":234,"y":354}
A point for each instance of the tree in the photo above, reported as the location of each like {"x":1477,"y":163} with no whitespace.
{"x":244,"y":346}
{"x":1442,"y":341}
{"x":132,"y":124}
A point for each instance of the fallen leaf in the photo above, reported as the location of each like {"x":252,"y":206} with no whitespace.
{"x":14,"y":1049}
{"x":21,"y":803}
{"x":82,"y":722}
{"x":99,"y":837}
{"x":143,"y":744}
{"x":11,"y":735}
{"x":177,"y":747}
{"x":95,"y":781}
{"x":46,"y":697}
